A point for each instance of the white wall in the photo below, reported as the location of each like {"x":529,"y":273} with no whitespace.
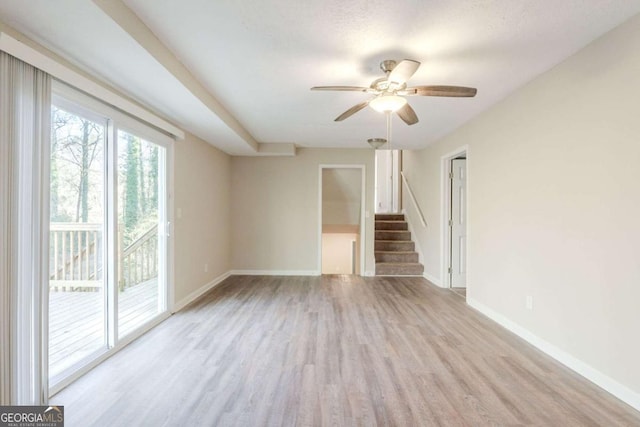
{"x":387,"y":187}
{"x":337,"y":253}
{"x":202,"y":234}
{"x":554,"y":203}
{"x":275,"y":205}
{"x":341,"y":188}
{"x":382,"y":187}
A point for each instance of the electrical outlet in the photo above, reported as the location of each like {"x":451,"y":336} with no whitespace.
{"x":529,"y":302}
{"x":206,"y":268}
{"x":179,"y":213}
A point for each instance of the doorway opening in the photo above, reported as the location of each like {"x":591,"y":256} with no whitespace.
{"x":454,"y":221}
{"x":387,"y":184}
{"x":342,"y":219}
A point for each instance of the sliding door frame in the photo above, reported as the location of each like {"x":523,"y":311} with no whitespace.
{"x":165,"y":207}
{"x":117,"y":120}
{"x":78,"y":108}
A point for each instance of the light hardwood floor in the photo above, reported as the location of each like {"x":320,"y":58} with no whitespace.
{"x":334,"y":350}
{"x":76,"y":325}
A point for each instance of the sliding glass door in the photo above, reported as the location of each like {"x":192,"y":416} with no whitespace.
{"x":141,"y":186}
{"x":77,"y":285}
{"x":108,"y":223}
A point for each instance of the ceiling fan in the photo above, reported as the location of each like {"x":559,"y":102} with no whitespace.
{"x":390,"y":90}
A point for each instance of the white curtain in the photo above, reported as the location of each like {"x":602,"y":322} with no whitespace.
{"x":25,"y":115}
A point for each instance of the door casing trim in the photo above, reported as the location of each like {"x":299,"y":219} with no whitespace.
{"x":445,"y":213}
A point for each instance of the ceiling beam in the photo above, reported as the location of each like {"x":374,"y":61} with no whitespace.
{"x":19,"y":46}
{"x":122,"y":15}
{"x":277,"y":149}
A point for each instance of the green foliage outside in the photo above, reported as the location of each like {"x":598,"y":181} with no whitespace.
{"x":78,"y":176}
{"x":138,"y":184}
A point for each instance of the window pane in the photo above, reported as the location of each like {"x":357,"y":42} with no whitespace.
{"x":76,"y":278}
{"x":139,"y":204}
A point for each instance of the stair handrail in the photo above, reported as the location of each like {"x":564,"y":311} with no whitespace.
{"x":134,"y":258}
{"x":413,"y":199}
{"x":142,"y":239}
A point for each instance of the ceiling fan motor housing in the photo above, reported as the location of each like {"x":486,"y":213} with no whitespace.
{"x":388,"y":65}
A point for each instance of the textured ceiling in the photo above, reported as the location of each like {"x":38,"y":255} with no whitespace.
{"x":260,"y":58}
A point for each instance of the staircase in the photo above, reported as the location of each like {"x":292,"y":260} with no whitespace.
{"x":394,"y":249}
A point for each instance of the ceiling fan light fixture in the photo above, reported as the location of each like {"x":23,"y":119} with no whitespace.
{"x":376,"y":143}
{"x":387,"y":103}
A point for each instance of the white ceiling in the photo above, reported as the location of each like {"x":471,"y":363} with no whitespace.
{"x":259,"y":58}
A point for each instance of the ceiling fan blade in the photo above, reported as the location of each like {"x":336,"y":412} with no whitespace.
{"x":403,"y":71}
{"x":342,"y":88}
{"x":455,"y":91}
{"x":408,"y":115}
{"x":351,"y":111}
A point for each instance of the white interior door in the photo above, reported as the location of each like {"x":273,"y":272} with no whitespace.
{"x":458,"y":223}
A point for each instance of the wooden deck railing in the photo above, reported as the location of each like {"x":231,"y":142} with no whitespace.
{"x":76,"y":257}
{"x":139,"y":260}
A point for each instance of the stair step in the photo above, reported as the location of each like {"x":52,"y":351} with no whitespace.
{"x":394,"y":245}
{"x":396,"y":256}
{"x":399,"y":269}
{"x":393,"y":235}
{"x":394,"y":250}
{"x":389,"y":217}
{"x":391,"y":225}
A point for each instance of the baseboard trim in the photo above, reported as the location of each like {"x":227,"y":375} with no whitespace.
{"x":199,"y":292}
{"x":274,"y":273}
{"x":603,"y":381}
{"x":433,"y":279}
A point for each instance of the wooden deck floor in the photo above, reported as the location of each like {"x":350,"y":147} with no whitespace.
{"x":334,"y":350}
{"x":76,"y":321}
